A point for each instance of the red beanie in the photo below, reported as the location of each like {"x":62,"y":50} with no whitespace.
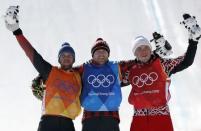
{"x":100,"y":44}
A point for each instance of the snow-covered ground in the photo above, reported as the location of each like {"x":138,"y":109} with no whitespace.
{"x":49,"y":23}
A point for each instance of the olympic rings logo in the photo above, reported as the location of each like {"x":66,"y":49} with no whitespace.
{"x":101,"y":80}
{"x":144,"y":79}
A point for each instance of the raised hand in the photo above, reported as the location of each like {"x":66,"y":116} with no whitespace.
{"x":11,"y":18}
{"x":191,"y":25}
{"x":163,"y":48}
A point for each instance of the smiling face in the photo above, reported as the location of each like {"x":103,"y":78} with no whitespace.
{"x":100,"y":56}
{"x":66,"y":60}
{"x":143,"y":53}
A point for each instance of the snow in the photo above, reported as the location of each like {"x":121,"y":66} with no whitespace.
{"x":49,"y":23}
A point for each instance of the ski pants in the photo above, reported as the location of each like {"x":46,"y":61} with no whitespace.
{"x":152,"y":123}
{"x":55,"y":123}
{"x":100,"y":124}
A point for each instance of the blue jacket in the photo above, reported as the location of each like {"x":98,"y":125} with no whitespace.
{"x":101,"y":87}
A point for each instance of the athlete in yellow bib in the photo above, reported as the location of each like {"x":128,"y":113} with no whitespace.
{"x":61,"y":102}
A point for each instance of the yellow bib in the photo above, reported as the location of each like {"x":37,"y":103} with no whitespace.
{"x":62,"y":94}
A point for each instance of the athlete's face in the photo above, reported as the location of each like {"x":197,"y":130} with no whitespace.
{"x":66,"y":60}
{"x":143,"y":53}
{"x":100,"y":56}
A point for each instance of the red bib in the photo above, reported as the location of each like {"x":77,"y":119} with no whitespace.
{"x":150,"y":85}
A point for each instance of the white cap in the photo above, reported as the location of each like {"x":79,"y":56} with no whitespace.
{"x":139,"y":41}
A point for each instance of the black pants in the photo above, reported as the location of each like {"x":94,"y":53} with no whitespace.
{"x":100,"y":124}
{"x":55,"y":123}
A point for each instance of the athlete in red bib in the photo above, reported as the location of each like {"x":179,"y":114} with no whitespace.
{"x":148,"y":84}
{"x":149,"y":75}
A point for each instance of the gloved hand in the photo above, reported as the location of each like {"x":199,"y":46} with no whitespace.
{"x":38,"y":87}
{"x":11,"y":18}
{"x":163,"y":48}
{"x":190,"y":23}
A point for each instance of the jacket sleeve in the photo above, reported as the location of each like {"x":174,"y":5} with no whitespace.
{"x":173,"y":66}
{"x":124,"y":71}
{"x":79,"y":69}
{"x":42,"y":66}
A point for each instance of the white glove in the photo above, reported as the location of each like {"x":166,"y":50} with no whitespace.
{"x":11,"y":18}
{"x":190,"y":23}
{"x":163,"y":48}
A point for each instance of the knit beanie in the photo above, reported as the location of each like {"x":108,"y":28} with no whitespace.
{"x":100,"y":44}
{"x":139,"y":41}
{"x":66,"y":48}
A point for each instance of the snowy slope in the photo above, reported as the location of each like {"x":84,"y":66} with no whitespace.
{"x":48,"y":23}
